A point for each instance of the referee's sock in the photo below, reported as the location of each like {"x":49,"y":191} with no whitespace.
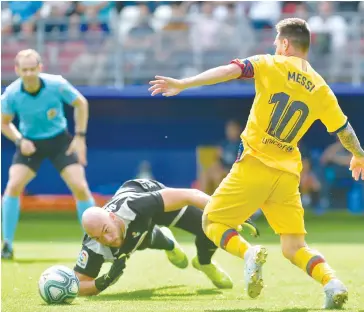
{"x":82,"y":205}
{"x":11,"y":211}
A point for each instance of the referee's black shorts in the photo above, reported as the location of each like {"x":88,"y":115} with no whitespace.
{"x":53,"y":148}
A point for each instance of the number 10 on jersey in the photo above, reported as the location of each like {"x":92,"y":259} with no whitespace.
{"x":282,"y":114}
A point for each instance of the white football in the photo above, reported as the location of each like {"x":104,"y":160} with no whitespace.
{"x":58,"y":284}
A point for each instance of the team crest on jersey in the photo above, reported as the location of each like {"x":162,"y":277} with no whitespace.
{"x":82,"y":259}
{"x":51,"y":113}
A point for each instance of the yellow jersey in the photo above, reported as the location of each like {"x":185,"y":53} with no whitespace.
{"x":290,"y":97}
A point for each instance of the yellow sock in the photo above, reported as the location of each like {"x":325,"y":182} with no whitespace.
{"x":227,"y":238}
{"x":314,"y":265}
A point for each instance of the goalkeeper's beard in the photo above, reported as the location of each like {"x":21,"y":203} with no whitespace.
{"x":118,"y":241}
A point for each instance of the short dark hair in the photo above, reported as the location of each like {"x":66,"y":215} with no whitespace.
{"x":297,"y":31}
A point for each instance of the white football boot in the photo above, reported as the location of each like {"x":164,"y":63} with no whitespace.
{"x":336,"y":294}
{"x":254,"y":258}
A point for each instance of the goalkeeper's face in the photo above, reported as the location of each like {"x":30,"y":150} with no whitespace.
{"x":111,"y":233}
{"x":103,"y":226}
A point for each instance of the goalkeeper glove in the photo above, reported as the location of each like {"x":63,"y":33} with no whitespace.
{"x":113,"y":275}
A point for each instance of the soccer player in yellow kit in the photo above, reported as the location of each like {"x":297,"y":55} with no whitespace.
{"x":290,"y":96}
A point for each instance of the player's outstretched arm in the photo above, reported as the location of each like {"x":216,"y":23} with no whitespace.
{"x":170,"y":86}
{"x":90,"y":286}
{"x":175,"y":198}
{"x":87,"y":285}
{"x":350,"y":141}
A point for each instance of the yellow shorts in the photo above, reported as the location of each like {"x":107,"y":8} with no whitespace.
{"x":251,"y":185}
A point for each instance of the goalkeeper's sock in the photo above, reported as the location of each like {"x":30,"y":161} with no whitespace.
{"x":205,"y":255}
{"x":82,"y":205}
{"x":314,"y":265}
{"x":160,"y":241}
{"x":227,"y":238}
{"x":11,"y":212}
{"x":205,"y":249}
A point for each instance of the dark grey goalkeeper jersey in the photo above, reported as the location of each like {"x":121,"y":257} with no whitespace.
{"x":136,"y":203}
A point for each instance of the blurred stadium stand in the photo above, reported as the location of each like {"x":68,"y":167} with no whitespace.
{"x":112,"y":46}
{"x":118,"y":43}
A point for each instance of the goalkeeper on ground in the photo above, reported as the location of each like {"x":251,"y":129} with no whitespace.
{"x":129,"y":222}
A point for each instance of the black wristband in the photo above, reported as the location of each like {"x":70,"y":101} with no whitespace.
{"x":18,"y":141}
{"x":81,"y":134}
{"x":102,"y":283}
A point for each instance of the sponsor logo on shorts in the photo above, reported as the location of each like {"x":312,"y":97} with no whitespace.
{"x":82,"y":259}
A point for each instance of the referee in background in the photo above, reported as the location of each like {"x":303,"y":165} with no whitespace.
{"x":37,"y":100}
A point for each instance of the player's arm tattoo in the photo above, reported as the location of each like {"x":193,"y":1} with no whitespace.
{"x":350,"y":141}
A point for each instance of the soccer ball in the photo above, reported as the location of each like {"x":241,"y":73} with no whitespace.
{"x":58,"y":284}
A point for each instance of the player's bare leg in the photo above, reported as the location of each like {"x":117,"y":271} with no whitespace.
{"x":229,"y":239}
{"x":19,"y":176}
{"x":74,"y":177}
{"x":313,"y":263}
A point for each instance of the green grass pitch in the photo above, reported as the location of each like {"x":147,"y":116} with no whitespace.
{"x":151,"y":283}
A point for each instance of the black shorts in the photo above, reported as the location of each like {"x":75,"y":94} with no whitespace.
{"x":54,"y":149}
